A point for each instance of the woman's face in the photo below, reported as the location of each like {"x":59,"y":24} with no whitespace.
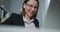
{"x":31,"y":7}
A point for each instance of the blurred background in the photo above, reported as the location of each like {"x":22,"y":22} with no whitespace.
{"x":48,"y":14}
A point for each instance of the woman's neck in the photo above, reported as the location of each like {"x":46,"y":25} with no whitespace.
{"x":27,"y":17}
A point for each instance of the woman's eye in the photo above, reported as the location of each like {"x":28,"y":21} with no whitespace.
{"x":30,"y":5}
{"x":35,"y":7}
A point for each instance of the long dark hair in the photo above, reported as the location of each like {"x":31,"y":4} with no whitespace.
{"x":23,"y":11}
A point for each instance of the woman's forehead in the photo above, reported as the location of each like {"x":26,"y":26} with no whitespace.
{"x":32,"y":2}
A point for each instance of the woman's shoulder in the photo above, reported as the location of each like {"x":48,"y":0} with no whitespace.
{"x":36,"y":22}
{"x":15,"y":15}
{"x":13,"y":19}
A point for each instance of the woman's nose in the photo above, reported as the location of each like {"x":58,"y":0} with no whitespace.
{"x":32,"y":9}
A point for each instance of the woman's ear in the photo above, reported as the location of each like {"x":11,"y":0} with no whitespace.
{"x":24,"y":5}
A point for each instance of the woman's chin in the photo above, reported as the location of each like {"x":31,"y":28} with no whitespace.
{"x":30,"y":15}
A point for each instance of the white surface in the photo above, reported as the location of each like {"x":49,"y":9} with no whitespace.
{"x":21,"y":29}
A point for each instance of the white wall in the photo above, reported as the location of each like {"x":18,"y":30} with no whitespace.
{"x":44,"y":5}
{"x":52,"y":20}
{"x":15,"y":6}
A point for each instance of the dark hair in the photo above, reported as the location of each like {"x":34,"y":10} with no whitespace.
{"x":23,"y":11}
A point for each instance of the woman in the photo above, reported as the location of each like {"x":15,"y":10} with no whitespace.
{"x":28,"y":16}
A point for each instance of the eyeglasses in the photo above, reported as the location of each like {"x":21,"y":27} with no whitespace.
{"x":31,"y":6}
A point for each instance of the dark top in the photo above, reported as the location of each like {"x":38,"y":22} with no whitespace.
{"x":16,"y":19}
